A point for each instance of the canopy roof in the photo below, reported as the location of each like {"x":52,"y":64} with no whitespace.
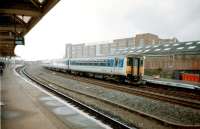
{"x":17,"y":18}
{"x":190,"y":47}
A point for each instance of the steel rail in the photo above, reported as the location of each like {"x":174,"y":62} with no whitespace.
{"x":171,"y":99}
{"x":55,"y":90}
{"x":106,"y":119}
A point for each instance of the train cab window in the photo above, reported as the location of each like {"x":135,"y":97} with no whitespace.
{"x":135,"y":62}
{"x":141,"y":62}
{"x":130,"y":61}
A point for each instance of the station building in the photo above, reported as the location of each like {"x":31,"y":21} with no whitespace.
{"x":103,"y":49}
{"x":74,"y":51}
{"x":89,"y":51}
{"x":112,"y":48}
{"x":171,"y":60}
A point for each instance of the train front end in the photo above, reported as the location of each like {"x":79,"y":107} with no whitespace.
{"x":135,"y":67}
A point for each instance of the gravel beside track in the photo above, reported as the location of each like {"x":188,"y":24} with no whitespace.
{"x":167,"y":111}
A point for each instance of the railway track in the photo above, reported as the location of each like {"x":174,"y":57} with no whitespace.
{"x":54,"y":88}
{"x":153,"y":95}
{"x":193,"y":103}
{"x":104,"y":118}
{"x":189,"y":94}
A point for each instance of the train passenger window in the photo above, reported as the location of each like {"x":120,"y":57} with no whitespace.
{"x":112,"y":62}
{"x":116,"y":62}
{"x":101,"y":64}
{"x":130,"y":61}
{"x":121,"y":62}
{"x":109,"y":63}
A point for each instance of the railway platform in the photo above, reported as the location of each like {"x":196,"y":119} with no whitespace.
{"x":25,"y":105}
{"x":173,"y":82}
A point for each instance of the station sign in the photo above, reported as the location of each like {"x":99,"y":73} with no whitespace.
{"x":19,"y":40}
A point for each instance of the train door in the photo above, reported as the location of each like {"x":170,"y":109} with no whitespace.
{"x":115,"y":65}
{"x":136,"y":66}
{"x":67,"y":64}
{"x":129,"y":69}
{"x":141,"y":67}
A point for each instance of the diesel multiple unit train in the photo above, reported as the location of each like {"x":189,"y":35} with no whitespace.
{"x":128,"y":68}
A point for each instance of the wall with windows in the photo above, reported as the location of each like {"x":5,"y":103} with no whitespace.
{"x":167,"y":65}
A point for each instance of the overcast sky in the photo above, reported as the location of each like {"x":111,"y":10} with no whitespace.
{"x":82,"y":21}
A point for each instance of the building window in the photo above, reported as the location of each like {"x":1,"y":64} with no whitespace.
{"x":141,"y":43}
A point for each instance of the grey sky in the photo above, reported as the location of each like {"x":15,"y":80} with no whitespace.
{"x":79,"y":21}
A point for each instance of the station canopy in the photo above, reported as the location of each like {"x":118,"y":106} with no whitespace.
{"x":178,"y":48}
{"x":17,"y":17}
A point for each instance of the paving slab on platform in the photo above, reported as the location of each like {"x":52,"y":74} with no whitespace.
{"x":27,"y":106}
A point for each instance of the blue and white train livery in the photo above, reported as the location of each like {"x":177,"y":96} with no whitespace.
{"x":122,"y":67}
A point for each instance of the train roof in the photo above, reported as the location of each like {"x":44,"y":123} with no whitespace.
{"x":108,"y":57}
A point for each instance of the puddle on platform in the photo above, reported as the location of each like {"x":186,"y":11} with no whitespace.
{"x":46,"y":98}
{"x":79,"y":121}
{"x":69,"y":114}
{"x":64,"y":111}
{"x":53,"y":103}
{"x":10,"y":114}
